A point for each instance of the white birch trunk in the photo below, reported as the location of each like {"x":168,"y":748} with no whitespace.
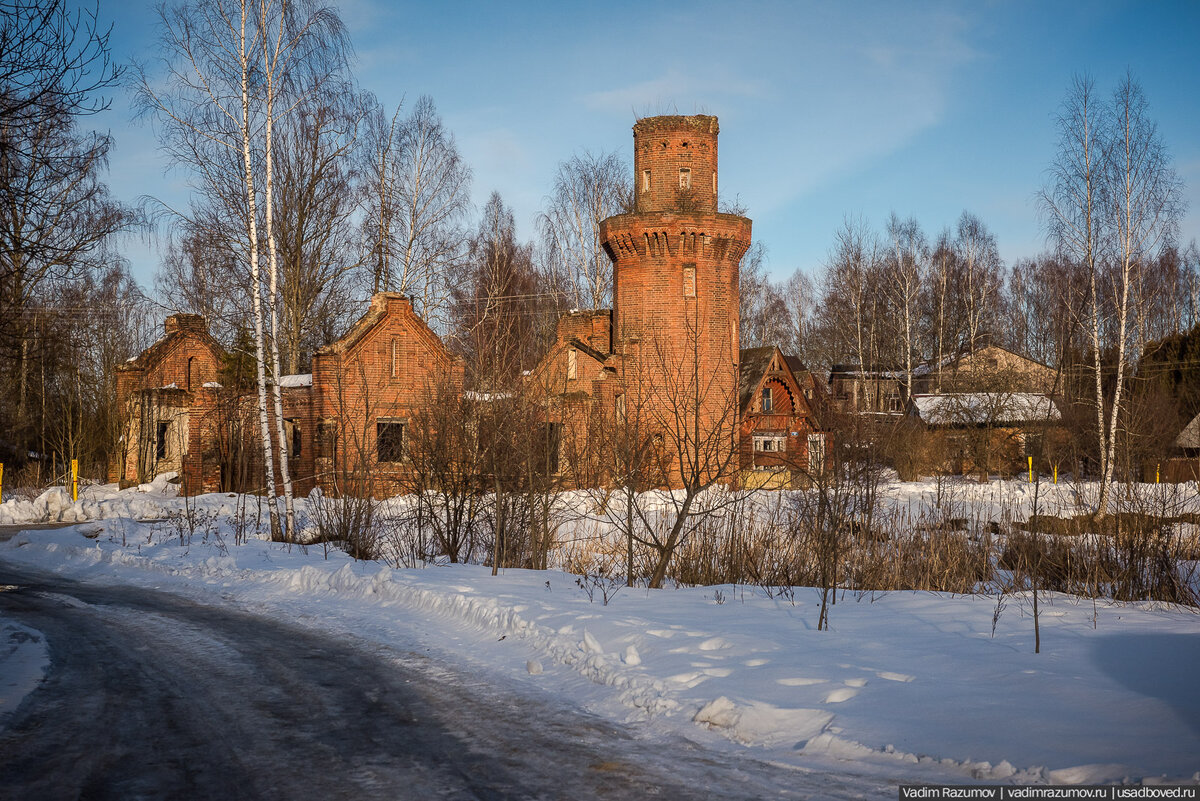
{"x":256,"y":280}
{"x":270,"y":65}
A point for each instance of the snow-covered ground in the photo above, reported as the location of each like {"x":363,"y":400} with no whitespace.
{"x":912,"y":686}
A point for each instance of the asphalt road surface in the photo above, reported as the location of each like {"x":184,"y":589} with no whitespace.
{"x":153,"y":696}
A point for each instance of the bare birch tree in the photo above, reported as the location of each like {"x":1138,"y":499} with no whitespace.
{"x":905,"y":270}
{"x":588,"y":188}
{"x":1112,"y":199}
{"x":416,"y":196}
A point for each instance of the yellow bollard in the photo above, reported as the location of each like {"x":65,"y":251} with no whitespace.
{"x":1030,"y":469}
{"x":1,"y":482}
{"x":74,"y":479}
{"x":1156,"y":467}
{"x":1055,"y":474}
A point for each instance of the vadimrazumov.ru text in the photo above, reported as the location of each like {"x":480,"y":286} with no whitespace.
{"x":933,"y":792}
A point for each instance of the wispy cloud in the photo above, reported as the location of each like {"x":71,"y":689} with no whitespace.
{"x":664,"y":93}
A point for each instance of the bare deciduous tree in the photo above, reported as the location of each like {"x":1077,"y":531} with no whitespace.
{"x":1112,"y":200}
{"x":416,"y":195}
{"x":587,"y":189}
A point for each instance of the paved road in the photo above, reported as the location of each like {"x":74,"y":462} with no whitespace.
{"x":153,"y":696}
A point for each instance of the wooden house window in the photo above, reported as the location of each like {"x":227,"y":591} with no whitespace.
{"x":816,"y":453}
{"x":770,"y":444}
{"x":768,"y":404}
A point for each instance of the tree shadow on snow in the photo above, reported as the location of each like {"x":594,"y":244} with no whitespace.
{"x":1161,"y":666}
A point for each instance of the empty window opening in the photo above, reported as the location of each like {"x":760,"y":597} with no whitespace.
{"x":685,"y":178}
{"x":767,"y":401}
{"x":621,"y":408}
{"x":326,"y":439}
{"x":160,"y":445}
{"x":689,"y":282}
{"x":572,"y":364}
{"x":396,"y":356}
{"x":389,"y":440}
{"x":191,"y":367}
{"x":645,"y":180}
{"x":291,"y":427}
{"x":552,"y":445}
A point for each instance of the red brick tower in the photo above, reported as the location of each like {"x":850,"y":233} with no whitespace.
{"x":675,"y":267}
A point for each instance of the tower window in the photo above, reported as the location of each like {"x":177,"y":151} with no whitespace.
{"x":572,"y":363}
{"x":685,"y":178}
{"x":645,"y":180}
{"x":689,"y":282}
{"x":714,"y":182}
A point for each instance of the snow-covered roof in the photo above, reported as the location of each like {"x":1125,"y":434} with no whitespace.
{"x":980,"y":408}
{"x":297,"y":380}
{"x":486,"y":397}
{"x":212,"y":385}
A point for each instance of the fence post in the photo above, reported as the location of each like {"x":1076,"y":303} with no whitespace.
{"x":74,"y":479}
{"x":1030,"y":458}
{"x":1,"y":482}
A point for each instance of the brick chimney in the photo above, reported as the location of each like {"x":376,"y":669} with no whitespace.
{"x":185,"y":322}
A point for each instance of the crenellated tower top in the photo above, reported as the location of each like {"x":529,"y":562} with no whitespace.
{"x":675,"y":163}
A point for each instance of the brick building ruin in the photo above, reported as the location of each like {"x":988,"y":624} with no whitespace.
{"x":663,"y":364}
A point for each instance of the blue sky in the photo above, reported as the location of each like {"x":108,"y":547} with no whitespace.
{"x":826,"y":110}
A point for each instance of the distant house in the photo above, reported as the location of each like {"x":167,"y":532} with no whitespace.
{"x":879,"y":390}
{"x":986,"y":432}
{"x":782,"y":439}
{"x":873,"y":389}
{"x":990,"y":368}
{"x":1184,"y":462}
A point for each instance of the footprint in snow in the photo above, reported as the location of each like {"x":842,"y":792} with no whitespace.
{"x":840,"y":694}
{"x":715,"y":644}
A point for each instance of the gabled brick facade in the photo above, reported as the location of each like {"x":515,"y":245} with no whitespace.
{"x":370,"y":381}
{"x":156,"y":391}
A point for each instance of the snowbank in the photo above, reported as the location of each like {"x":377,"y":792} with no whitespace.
{"x":907,"y":685}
